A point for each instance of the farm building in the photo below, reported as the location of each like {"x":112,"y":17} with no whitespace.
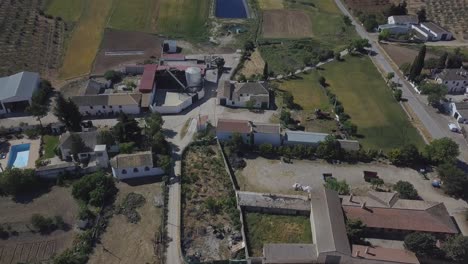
{"x":292,"y":138}
{"x":406,"y":20}
{"x":430,"y":31}
{"x":16,"y":91}
{"x":395,"y":29}
{"x":239,"y":94}
{"x":93,"y":153}
{"x":456,"y":80}
{"x":385,"y":214}
{"x":128,"y":166}
{"x":252,"y":132}
{"x":459,"y":111}
{"x":107,"y":104}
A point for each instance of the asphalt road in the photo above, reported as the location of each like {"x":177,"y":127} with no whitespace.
{"x":436,"y":128}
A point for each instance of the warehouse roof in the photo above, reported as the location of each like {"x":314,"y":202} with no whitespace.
{"x":21,"y":84}
{"x":139,"y":159}
{"x":434,"y":27}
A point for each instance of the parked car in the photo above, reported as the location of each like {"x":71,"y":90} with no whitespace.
{"x":454,"y":128}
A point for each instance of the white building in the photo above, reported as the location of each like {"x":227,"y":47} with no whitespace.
{"x":459,"y":111}
{"x":92,"y":153}
{"x":456,"y":80}
{"x":128,"y":166}
{"x":104,"y":104}
{"x":252,"y":132}
{"x":406,"y":20}
{"x":16,"y":91}
{"x":238,"y":94}
{"x":429,"y":31}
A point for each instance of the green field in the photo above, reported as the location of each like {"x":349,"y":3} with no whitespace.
{"x":306,"y":91}
{"x":50,"y":142}
{"x":265,"y":228}
{"x":69,"y":10}
{"x":136,"y":15}
{"x":184,"y":19}
{"x":366,"y":98}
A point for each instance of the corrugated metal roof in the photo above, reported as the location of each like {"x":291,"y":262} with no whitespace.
{"x":21,"y":84}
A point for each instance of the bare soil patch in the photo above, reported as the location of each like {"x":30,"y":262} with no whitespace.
{"x":126,"y":242}
{"x":24,"y":245}
{"x":401,"y":54}
{"x":286,"y":24}
{"x":147,"y":46}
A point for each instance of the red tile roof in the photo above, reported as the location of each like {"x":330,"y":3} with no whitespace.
{"x":435,"y":219}
{"x":385,"y":254}
{"x":233,"y":126}
{"x":148,"y":78}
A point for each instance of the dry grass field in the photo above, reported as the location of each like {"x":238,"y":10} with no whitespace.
{"x":286,"y":24}
{"x":128,"y":243}
{"x":271,"y":4}
{"x":30,"y":247}
{"x":254,"y":65}
{"x":402,"y":54}
{"x":85,"y":39}
{"x":138,"y":15}
{"x":29,"y":41}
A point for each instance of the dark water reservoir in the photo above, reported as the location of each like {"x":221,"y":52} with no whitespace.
{"x":231,"y":8}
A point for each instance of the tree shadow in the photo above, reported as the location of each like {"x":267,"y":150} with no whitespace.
{"x":31,"y":195}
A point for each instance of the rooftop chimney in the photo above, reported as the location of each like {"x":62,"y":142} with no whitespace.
{"x":363,"y":205}
{"x":367,"y":250}
{"x":350,"y":198}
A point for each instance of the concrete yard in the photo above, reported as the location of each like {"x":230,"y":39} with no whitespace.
{"x":264,"y":175}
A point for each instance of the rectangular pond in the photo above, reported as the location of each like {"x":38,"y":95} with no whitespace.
{"x":19,"y":156}
{"x":232,"y":9}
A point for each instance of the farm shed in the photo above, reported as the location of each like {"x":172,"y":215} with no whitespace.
{"x":16,"y":91}
{"x":103,"y":104}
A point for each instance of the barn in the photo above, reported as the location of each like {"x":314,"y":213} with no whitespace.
{"x":17,"y":90}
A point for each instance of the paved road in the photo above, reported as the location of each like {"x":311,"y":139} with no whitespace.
{"x":436,"y":128}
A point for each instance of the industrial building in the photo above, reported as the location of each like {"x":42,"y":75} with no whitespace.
{"x":16,"y":91}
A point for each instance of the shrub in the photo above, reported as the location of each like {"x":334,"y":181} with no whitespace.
{"x":340,"y":186}
{"x":16,"y":181}
{"x":43,"y":224}
{"x":95,"y":189}
{"x":422,"y":244}
{"x":266,"y":149}
{"x":406,"y":190}
{"x":32,"y":133}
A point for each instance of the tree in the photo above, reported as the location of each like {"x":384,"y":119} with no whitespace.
{"x":164,"y":161}
{"x":454,"y":179}
{"x":237,"y":142}
{"x":347,"y":21}
{"x":398,"y":94}
{"x":266,"y":149}
{"x":355,"y":230}
{"x":349,"y":128}
{"x":337,"y":56}
{"x":17,"y":181}
{"x":390,"y":76}
{"x":406,"y":190}
{"x":127,"y":129}
{"x":431,"y":64}
{"x":456,"y":248}
{"x":95,"y":189}
{"x":249,"y":46}
{"x":422,"y":15}
{"x":384,"y":34}
{"x":38,"y":107}
{"x":241,"y":78}
{"x":266,"y":73}
{"x":441,"y":61}
{"x":422,"y":244}
{"x":285,"y":117}
{"x":435,"y":93}
{"x":396,"y":10}
{"x":43,"y":224}
{"x":113,"y":76}
{"x":329,"y":149}
{"x":376,"y":182}
{"x":288,"y":100}
{"x":220,"y":62}
{"x":418,"y":64}
{"x":77,"y":145}
{"x":454,"y":60}
{"x":359,"y":45}
{"x":154,"y":123}
{"x":341,"y":187}
{"x":441,"y":150}
{"x":127,"y":147}
{"x":106,"y":138}
{"x":322,"y":81}
{"x":67,"y":112}
{"x":407,"y":155}
{"x":370,"y":23}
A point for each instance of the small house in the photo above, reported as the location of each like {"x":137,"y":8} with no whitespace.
{"x":226,"y":128}
{"x":249,"y":94}
{"x":92,"y":152}
{"x":456,"y":80}
{"x":128,"y":166}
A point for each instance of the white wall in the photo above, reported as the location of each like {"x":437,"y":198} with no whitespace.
{"x":242,"y":103}
{"x":262,"y":138}
{"x":118,"y":172}
{"x":99,"y":109}
{"x":454,"y":86}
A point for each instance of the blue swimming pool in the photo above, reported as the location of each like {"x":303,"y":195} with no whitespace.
{"x":231,"y":8}
{"x":19,"y":156}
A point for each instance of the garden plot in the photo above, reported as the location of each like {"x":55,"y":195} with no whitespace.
{"x":210,"y":219}
{"x":23,"y":245}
